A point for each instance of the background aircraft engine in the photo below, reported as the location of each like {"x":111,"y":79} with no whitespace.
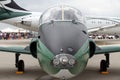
{"x":31,"y":23}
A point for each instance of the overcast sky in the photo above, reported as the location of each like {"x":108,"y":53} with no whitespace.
{"x":88,"y":7}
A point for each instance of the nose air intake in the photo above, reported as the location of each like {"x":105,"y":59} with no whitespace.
{"x":64,"y":61}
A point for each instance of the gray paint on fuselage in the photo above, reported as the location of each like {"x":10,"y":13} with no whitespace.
{"x":63,"y":35}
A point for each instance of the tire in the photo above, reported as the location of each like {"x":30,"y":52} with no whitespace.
{"x":21,"y":65}
{"x":103,"y":66}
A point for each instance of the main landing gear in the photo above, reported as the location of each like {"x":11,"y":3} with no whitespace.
{"x":104,"y":64}
{"x":19,"y":64}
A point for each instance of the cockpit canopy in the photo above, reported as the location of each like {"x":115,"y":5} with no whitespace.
{"x":61,"y":13}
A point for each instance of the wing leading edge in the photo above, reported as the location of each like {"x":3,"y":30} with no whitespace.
{"x":26,"y":50}
{"x":21,"y":50}
{"x":107,"y":49}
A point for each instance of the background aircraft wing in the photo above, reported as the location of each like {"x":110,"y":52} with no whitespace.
{"x":22,"y":50}
{"x":107,"y":49}
{"x":103,"y":28}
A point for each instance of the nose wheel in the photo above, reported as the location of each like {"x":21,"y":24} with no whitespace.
{"x":19,"y":64}
{"x":104,"y":65}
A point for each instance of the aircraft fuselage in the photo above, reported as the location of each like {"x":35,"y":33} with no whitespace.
{"x":63,"y":48}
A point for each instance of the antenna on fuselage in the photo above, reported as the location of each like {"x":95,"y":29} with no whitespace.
{"x":62,"y":12}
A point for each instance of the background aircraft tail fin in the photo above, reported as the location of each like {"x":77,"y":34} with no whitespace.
{"x":9,"y":9}
{"x":11,"y":4}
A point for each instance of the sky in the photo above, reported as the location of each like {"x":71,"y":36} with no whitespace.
{"x":101,"y":8}
{"x":88,"y":7}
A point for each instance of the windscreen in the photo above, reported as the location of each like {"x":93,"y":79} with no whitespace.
{"x":61,"y":13}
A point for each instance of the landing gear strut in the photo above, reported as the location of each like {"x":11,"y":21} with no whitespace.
{"x":104,"y":64}
{"x":19,"y":63}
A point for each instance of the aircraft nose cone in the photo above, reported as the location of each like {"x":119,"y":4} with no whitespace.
{"x":64,"y":61}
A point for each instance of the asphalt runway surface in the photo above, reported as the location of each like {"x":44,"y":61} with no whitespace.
{"x":33,"y":71}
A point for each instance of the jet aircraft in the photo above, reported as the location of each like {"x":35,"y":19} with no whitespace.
{"x":62,"y":47}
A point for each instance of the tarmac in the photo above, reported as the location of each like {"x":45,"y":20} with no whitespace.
{"x":33,"y":71}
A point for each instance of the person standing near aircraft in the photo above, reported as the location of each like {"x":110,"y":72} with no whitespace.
{"x":0,"y":35}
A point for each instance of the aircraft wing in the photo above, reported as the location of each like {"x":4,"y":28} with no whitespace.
{"x":107,"y":49}
{"x":103,"y":28}
{"x":21,"y":50}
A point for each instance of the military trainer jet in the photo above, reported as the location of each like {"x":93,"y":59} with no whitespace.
{"x":62,"y":47}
